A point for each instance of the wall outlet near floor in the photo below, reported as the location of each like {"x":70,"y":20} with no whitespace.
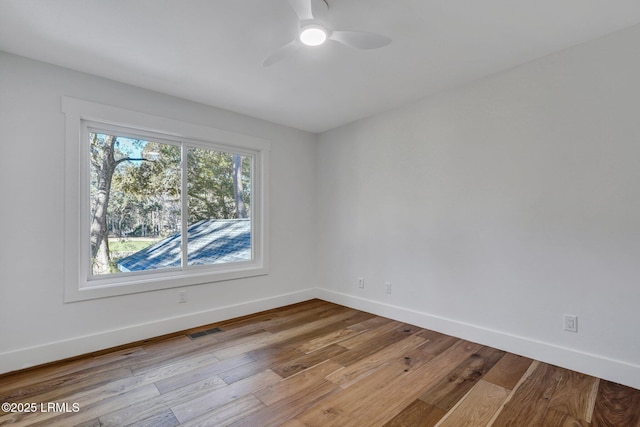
{"x":182,"y":297}
{"x":388,"y":287}
{"x":570,"y":323}
{"x":361,"y":282}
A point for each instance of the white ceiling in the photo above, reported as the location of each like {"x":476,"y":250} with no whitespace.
{"x":211,"y":51}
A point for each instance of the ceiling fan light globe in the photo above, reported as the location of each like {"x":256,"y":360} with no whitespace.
{"x":313,"y":35}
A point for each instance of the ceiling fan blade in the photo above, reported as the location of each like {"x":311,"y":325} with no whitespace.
{"x":360,"y":39}
{"x":308,"y":10}
{"x":282,"y":53}
{"x":302,"y":8}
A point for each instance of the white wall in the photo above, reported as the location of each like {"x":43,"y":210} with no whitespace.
{"x":497,"y":207}
{"x":35,"y":325}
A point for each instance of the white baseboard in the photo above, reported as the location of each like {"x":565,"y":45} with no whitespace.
{"x":53,"y":351}
{"x":587,"y":363}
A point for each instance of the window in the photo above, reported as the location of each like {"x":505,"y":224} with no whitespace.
{"x":154,"y":203}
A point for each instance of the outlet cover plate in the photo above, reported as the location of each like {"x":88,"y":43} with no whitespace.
{"x":570,"y":323}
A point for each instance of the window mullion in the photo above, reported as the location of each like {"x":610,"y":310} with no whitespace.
{"x":185,"y":207}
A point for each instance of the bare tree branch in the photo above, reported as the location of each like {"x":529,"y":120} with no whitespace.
{"x":132,"y":159}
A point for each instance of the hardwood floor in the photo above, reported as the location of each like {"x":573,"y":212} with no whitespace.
{"x":313,"y":364}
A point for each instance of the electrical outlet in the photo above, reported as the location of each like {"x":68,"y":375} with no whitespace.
{"x":182,"y":297}
{"x":388,"y":286}
{"x":570,"y":323}
{"x":361,"y":282}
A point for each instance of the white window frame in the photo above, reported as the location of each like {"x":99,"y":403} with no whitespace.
{"x":79,"y":284}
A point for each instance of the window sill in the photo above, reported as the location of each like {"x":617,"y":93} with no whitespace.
{"x":153,"y":282}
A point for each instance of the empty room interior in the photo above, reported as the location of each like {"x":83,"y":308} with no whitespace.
{"x":432,"y":217}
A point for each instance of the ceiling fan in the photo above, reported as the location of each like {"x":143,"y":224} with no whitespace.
{"x":314,"y":30}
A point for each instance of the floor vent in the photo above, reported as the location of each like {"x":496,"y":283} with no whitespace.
{"x":199,"y":334}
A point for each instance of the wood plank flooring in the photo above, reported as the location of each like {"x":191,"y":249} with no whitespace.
{"x":312,"y":364}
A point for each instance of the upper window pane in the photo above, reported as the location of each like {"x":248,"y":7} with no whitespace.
{"x":134,"y":202}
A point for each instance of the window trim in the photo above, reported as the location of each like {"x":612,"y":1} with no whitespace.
{"x":81,"y":114}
